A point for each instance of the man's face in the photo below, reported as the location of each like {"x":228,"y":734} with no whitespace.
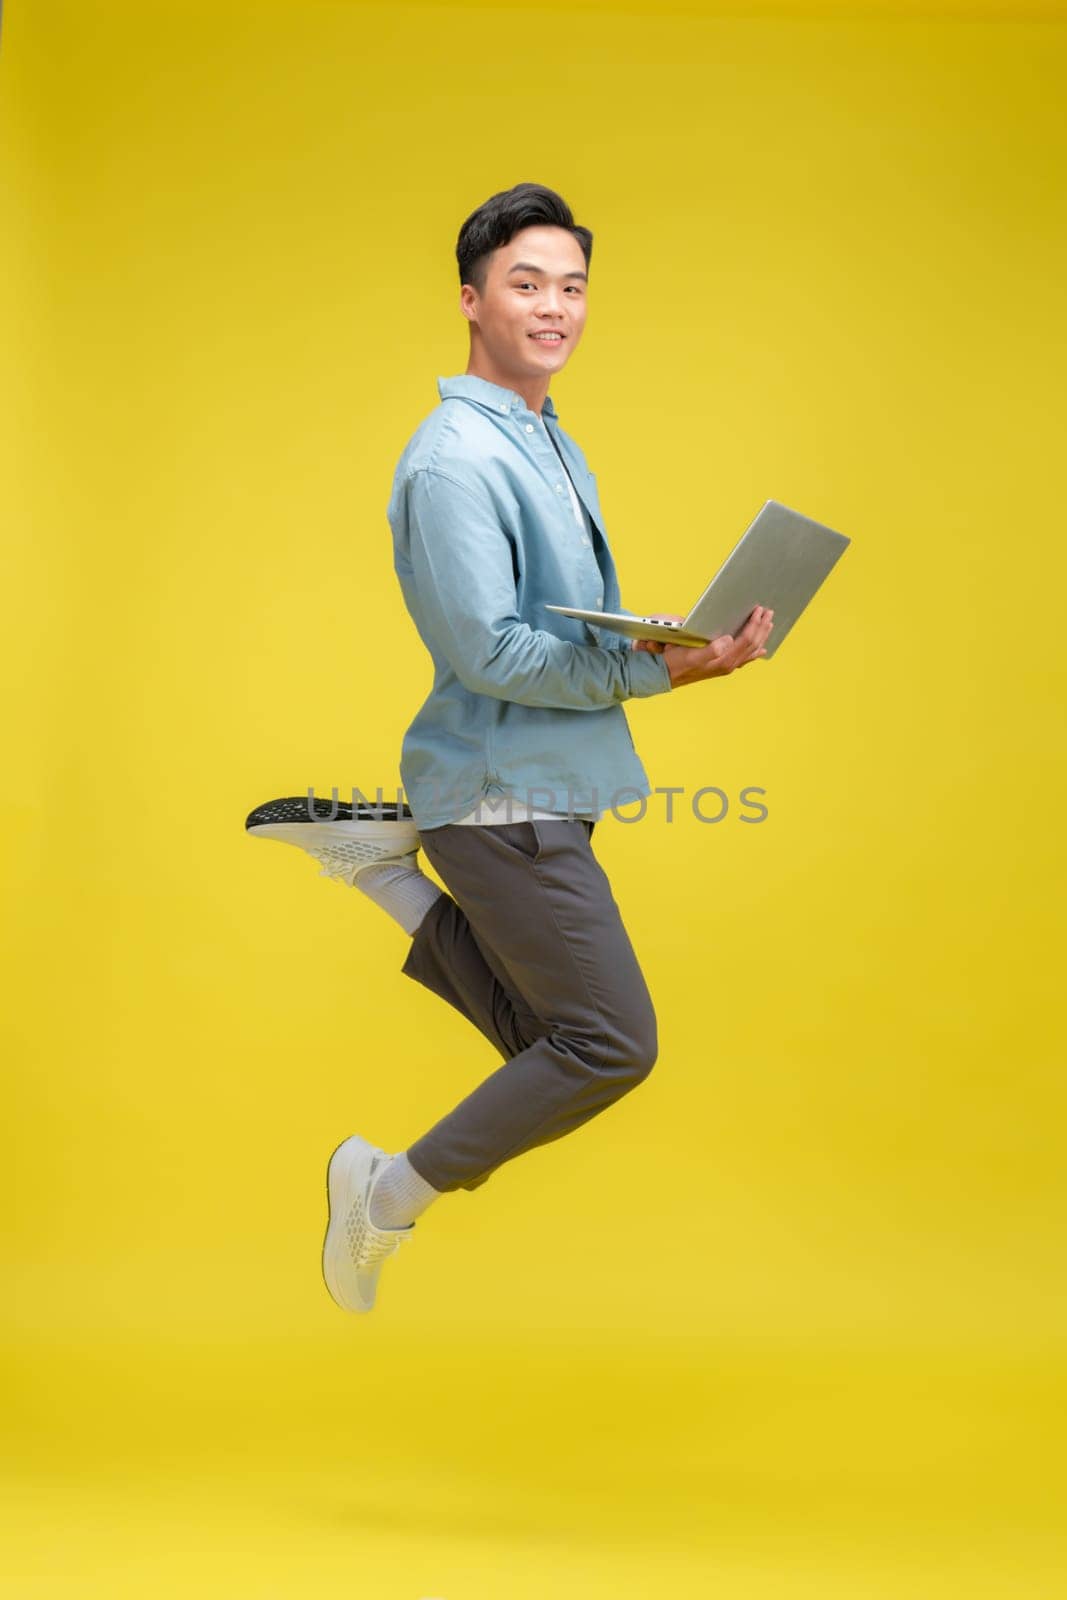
{"x":535,"y":284}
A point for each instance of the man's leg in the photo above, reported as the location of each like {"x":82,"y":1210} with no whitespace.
{"x":448,"y":957}
{"x":530,"y":946}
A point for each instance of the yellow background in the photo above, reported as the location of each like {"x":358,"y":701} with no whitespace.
{"x":788,"y":1322}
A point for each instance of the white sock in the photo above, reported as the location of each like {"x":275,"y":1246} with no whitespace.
{"x":399,"y":1194}
{"x":401,"y":888}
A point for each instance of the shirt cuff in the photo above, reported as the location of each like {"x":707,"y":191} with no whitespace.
{"x":648,"y":673}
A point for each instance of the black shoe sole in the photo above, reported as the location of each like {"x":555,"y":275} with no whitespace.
{"x":298,"y":808}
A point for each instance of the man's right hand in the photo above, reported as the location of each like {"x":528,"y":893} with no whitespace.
{"x":721,"y":655}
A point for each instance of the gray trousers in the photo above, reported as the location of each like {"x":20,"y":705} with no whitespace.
{"x":529,"y":945}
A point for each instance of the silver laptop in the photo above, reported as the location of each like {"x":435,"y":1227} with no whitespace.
{"x":779,"y":561}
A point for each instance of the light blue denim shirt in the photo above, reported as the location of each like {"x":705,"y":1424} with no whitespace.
{"x":524,"y":702}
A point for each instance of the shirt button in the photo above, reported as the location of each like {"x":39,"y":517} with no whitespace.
{"x":529,"y":427}
{"x":584,"y":539}
{"x":599,"y":605}
{"x":559,"y":488}
{"x":503,"y":408}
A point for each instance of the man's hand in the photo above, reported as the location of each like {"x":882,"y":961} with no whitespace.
{"x":692,"y":663}
{"x":689,"y":663}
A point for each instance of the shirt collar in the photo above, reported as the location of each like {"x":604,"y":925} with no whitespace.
{"x":491,"y":395}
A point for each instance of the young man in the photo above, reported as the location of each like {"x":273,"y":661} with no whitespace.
{"x":521,"y":744}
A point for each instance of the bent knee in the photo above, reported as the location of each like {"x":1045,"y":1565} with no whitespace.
{"x":644,"y":1049}
{"x":631,"y":1047}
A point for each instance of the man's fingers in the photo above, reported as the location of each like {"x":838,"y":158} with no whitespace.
{"x":727,"y":652}
{"x":757,"y":629}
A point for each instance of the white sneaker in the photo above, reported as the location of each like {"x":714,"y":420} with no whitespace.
{"x":354,"y":1249}
{"x":345,"y":843}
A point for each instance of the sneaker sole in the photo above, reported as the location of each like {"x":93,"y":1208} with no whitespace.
{"x":336,"y":834}
{"x":294,"y":808}
{"x":333,"y":823}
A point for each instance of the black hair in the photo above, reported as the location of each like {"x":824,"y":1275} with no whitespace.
{"x":503,"y":215}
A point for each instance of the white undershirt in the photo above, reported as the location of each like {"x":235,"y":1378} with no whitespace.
{"x":498,"y":811}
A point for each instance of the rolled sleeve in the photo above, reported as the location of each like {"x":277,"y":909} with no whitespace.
{"x":649,"y":673}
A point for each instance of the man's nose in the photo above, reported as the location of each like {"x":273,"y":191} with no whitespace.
{"x":551,"y":303}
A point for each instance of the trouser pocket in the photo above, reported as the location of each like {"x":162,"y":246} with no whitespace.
{"x":523,"y":837}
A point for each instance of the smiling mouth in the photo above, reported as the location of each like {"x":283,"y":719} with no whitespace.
{"x":547,"y":338}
